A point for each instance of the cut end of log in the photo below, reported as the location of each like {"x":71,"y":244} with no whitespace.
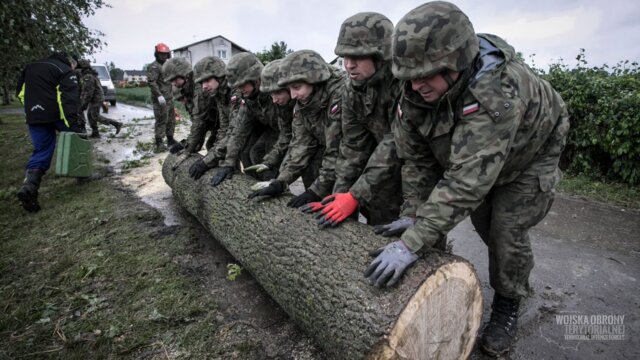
{"x":440,"y":321}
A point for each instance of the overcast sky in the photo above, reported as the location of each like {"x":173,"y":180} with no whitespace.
{"x":609,"y":30}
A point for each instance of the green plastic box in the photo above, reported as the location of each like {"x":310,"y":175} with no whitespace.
{"x":74,"y":155}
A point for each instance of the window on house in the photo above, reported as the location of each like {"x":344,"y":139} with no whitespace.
{"x":222,"y":54}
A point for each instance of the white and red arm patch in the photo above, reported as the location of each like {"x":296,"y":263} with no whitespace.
{"x":470,"y":108}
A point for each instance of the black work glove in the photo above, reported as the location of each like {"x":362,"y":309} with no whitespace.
{"x":391,"y":261}
{"x":175,"y":148}
{"x":395,"y":228}
{"x":304,"y":198}
{"x":225,"y":172}
{"x":198,"y":169}
{"x":276,"y":187}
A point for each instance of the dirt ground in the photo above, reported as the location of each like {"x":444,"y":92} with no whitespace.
{"x":587,"y":263}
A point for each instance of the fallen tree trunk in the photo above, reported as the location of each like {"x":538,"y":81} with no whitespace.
{"x":316,"y":275}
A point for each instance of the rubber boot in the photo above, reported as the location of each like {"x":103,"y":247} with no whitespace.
{"x":160,"y":147}
{"x":118,"y":126}
{"x":28,"y":193}
{"x":501,"y":331}
{"x":171,"y":141}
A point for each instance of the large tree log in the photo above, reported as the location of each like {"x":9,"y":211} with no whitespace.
{"x":316,"y":275}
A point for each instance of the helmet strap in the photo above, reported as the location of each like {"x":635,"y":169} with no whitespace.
{"x":447,"y":77}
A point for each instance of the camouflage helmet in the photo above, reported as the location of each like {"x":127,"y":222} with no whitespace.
{"x":84,"y":64}
{"x":207,"y":67}
{"x":365,"y":34}
{"x":176,"y":67}
{"x":430,"y":38}
{"x":242,"y":68}
{"x":303,"y":65}
{"x":270,"y":76}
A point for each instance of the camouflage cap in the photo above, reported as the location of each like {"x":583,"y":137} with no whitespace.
{"x":365,"y":34}
{"x":303,"y":65}
{"x":430,"y":38}
{"x":207,"y":67}
{"x":270,"y":76}
{"x":242,"y":68}
{"x":176,"y":67}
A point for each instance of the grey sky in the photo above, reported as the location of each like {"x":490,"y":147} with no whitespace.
{"x":551,"y":29}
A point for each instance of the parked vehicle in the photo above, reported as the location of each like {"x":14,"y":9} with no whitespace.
{"x":105,"y":80}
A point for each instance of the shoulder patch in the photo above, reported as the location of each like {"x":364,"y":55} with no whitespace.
{"x":400,"y":113}
{"x":234,"y":99}
{"x":470,"y":108}
{"x":335,"y":108}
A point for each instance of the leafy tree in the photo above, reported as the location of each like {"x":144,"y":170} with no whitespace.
{"x":278,"y":51}
{"x":115,"y":72}
{"x":32,"y":29}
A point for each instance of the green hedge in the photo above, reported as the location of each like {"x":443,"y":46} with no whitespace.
{"x":604,"y":104}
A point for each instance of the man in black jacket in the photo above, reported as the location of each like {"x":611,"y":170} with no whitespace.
{"x":48,"y":88}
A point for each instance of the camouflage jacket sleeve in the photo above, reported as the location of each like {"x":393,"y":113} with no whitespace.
{"x":153,"y":75}
{"x":420,"y":168}
{"x":355,"y":148}
{"x":199,"y":118}
{"x":225,"y":113}
{"x":275,"y":156}
{"x":302,"y":148}
{"x":479,"y":146}
{"x":243,"y":127}
{"x":323,"y":185}
{"x":88,"y":88}
{"x":380,"y":168}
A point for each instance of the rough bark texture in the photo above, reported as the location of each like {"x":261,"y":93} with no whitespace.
{"x":316,"y":275}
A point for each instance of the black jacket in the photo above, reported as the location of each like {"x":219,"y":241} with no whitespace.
{"x":48,"y":88}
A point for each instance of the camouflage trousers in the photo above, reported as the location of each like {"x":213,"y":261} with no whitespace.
{"x":165,"y":119}
{"x":93,"y":114}
{"x":503,"y":221}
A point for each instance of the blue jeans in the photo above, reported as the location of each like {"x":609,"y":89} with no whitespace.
{"x":43,"y":138}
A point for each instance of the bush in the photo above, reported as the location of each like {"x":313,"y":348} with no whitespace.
{"x":604,"y":104}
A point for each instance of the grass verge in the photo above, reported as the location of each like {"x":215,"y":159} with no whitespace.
{"x":95,"y":273}
{"x":602,"y":191}
{"x":141,"y":96}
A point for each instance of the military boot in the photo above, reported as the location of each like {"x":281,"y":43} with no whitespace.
{"x":28,"y":193}
{"x":171,"y":141}
{"x":118,"y":126}
{"x":500,"y":333}
{"x":160,"y":147}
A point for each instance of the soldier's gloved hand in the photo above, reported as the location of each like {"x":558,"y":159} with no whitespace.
{"x":198,"y":169}
{"x":177,"y":147}
{"x":260,"y":185}
{"x":305,"y":197}
{"x":391,"y":261}
{"x":312,"y":207}
{"x":276,"y":187}
{"x":161,"y":100}
{"x":225,"y":172}
{"x":337,"y":207}
{"x":397,"y":227}
{"x":257,"y":168}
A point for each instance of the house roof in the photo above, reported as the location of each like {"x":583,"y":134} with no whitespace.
{"x":135,"y":72}
{"x":214,"y":37}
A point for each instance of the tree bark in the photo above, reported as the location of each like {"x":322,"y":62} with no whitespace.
{"x":316,"y":275}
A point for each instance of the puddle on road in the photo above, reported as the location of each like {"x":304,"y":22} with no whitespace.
{"x":144,"y":176}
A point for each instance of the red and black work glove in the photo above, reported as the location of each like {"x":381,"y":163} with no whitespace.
{"x":337,"y":208}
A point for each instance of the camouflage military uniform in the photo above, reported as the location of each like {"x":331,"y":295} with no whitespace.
{"x":227,"y":105}
{"x":316,"y":124}
{"x":82,"y":120}
{"x":165,"y":114}
{"x":490,"y":149}
{"x":91,"y":99}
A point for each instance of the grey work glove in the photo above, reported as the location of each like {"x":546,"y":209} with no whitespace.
{"x":257,"y":168}
{"x":161,"y":100}
{"x":391,"y":261}
{"x":397,"y":227}
{"x":198,"y":169}
{"x":225,"y":172}
{"x":260,"y":185}
{"x":276,"y":187}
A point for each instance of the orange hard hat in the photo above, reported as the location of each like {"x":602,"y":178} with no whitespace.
{"x":163,"y":48}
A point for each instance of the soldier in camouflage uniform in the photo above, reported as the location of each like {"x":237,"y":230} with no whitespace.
{"x":91,"y":99}
{"x":258,"y":114}
{"x":364,"y":42}
{"x":317,"y":88}
{"x":82,"y":120}
{"x":481,"y":135}
{"x":162,"y":98}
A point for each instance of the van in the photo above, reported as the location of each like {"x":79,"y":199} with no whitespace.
{"x":105,"y":80}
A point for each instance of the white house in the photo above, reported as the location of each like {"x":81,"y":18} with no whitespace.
{"x":134,"y":75}
{"x":218,"y":46}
